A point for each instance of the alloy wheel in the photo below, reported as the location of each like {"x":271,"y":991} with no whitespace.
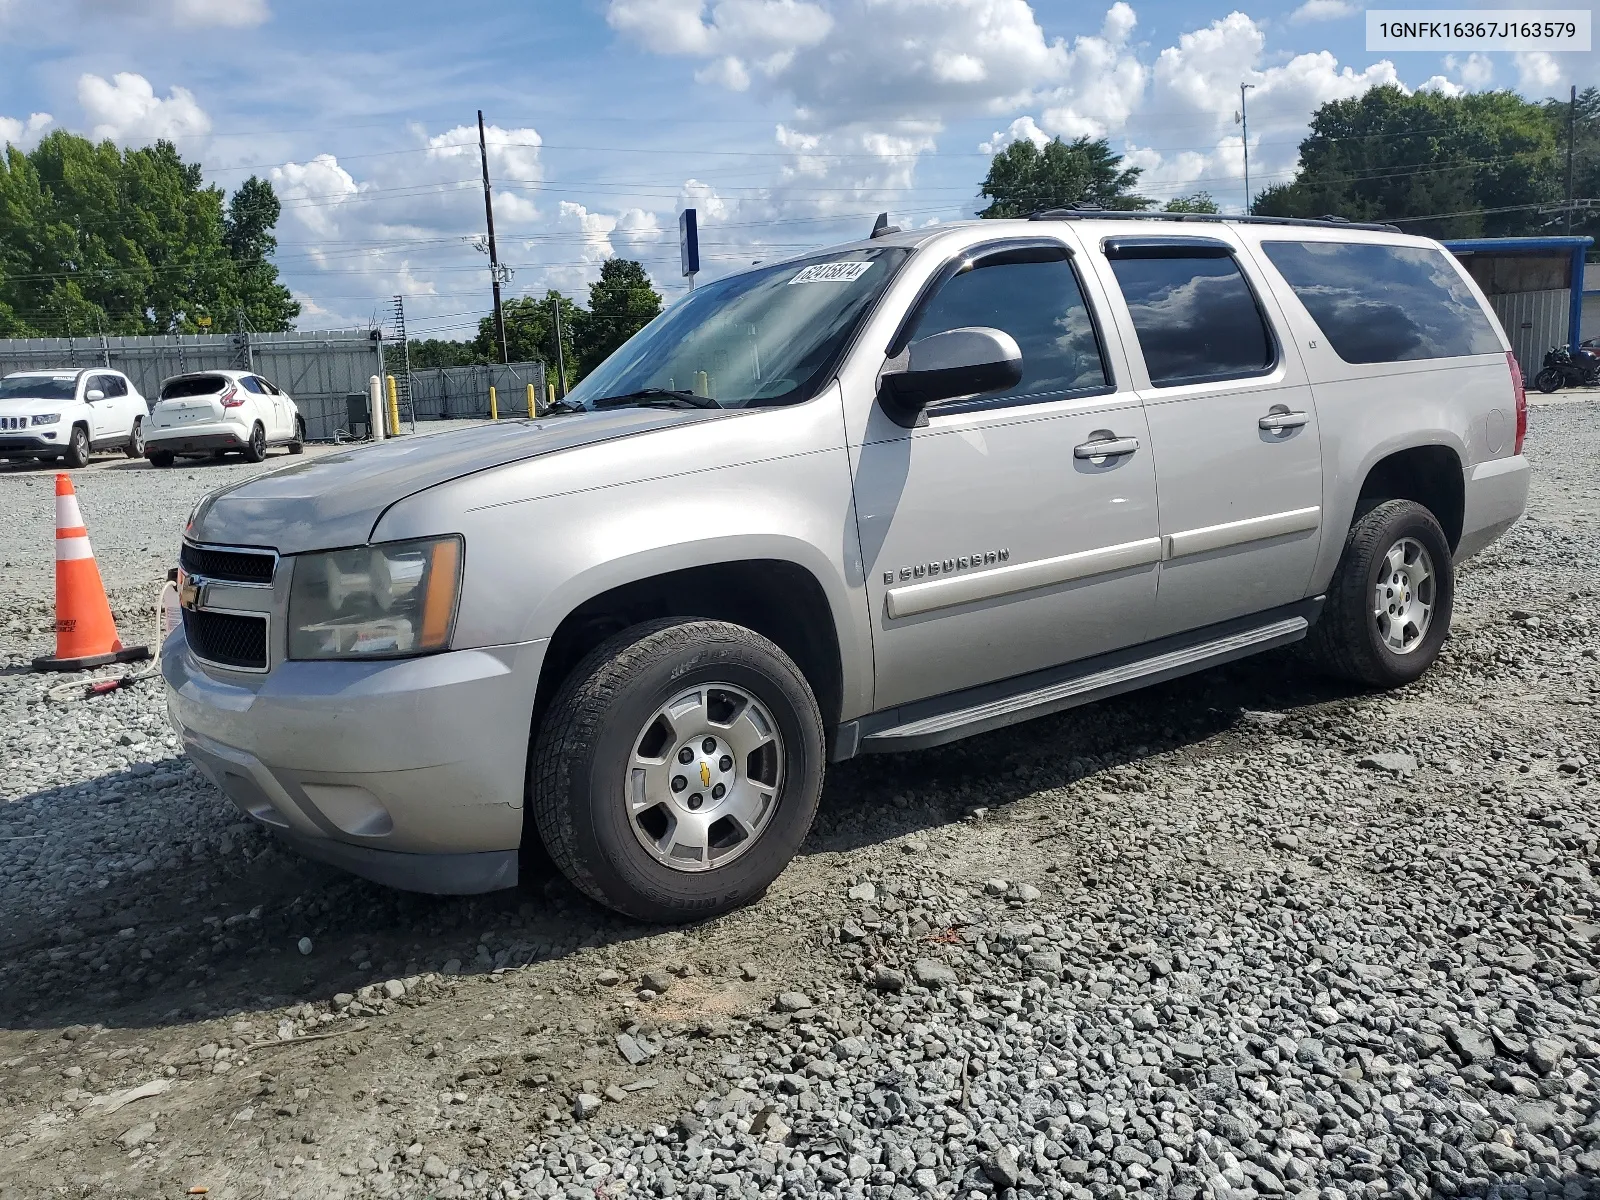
{"x":1404,"y":597}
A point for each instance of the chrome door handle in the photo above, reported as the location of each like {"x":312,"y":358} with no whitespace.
{"x":1283,"y":420}
{"x":1106,"y":448}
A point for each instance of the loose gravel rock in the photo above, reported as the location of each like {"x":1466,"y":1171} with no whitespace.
{"x":1247,"y":934}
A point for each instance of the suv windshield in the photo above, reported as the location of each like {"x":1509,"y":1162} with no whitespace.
{"x":758,"y":338}
{"x":193,"y":385}
{"x":38,"y":387}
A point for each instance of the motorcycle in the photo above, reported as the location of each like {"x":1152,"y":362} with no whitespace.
{"x":1563,"y":368}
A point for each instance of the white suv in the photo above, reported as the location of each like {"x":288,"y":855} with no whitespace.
{"x":67,"y":413}
{"x":213,"y":412}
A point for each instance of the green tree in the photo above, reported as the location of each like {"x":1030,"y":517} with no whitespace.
{"x":1586,"y":161}
{"x":1198,"y":202}
{"x":252,"y":215}
{"x":427,"y":353}
{"x":1024,"y":179}
{"x":621,"y":303}
{"x":94,"y":239}
{"x":1474,"y":165}
{"x":530,"y":332}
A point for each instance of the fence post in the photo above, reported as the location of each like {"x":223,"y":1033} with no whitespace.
{"x":394,"y":407}
{"x":494,"y":407}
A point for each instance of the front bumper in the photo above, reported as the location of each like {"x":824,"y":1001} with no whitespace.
{"x":410,"y":772}
{"x":196,"y":438}
{"x":17,"y":443}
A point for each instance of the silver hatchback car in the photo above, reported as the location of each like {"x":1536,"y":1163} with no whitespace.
{"x":869,"y":499}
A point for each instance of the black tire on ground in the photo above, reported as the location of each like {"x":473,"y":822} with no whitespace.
{"x":578,"y":770}
{"x":161,"y":458}
{"x":77,"y":454}
{"x":1547,"y":380}
{"x":135,"y":446}
{"x":1347,"y":641}
{"x":255,"y":449}
{"x":297,"y":444}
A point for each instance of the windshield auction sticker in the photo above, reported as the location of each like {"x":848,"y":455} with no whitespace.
{"x":1549,"y":29}
{"x":832,"y":272}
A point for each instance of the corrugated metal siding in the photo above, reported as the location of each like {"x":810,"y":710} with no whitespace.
{"x":1534,"y":321}
{"x":317,"y":368}
{"x":464,"y":391}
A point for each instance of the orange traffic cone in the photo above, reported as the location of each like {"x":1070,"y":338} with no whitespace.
{"x":86,"y":634}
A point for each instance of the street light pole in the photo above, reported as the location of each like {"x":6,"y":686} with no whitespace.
{"x":1244,"y":122}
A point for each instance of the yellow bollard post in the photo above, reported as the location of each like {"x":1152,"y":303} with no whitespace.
{"x":702,"y":384}
{"x":494,"y":406}
{"x":533,"y":405}
{"x":550,"y":392}
{"x":394,"y":406}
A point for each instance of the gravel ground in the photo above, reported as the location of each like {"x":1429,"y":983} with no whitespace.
{"x":1245,"y":934}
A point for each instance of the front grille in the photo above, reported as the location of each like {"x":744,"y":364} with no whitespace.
{"x":234,"y":566}
{"x":13,"y":422}
{"x":231,"y":639}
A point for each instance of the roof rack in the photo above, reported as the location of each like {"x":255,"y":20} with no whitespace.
{"x":1083,"y":213}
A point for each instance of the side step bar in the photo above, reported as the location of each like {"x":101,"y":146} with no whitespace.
{"x":1089,"y":682}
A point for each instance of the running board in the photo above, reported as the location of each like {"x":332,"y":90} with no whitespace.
{"x":1086,"y":685}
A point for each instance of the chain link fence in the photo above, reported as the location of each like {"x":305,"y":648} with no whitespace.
{"x":444,"y":392}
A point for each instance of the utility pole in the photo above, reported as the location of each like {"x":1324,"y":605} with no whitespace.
{"x":561,"y":361}
{"x":1572,"y":133}
{"x":494,"y":258}
{"x":1244,"y":122}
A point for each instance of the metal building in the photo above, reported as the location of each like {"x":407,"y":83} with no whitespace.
{"x":1536,"y":287}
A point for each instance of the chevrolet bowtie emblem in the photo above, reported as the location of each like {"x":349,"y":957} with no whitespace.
{"x":705,"y":774}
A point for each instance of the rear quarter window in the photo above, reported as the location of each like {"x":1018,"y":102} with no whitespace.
{"x":1377,"y":303}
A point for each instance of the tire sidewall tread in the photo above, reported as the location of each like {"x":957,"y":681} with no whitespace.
{"x":587,"y":732}
{"x":1345,"y":639}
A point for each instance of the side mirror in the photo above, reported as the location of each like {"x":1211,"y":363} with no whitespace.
{"x":959,"y":362}
{"x":94,"y":394}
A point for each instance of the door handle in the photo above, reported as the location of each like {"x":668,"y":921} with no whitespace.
{"x":1283,"y":420}
{"x":1106,"y":448}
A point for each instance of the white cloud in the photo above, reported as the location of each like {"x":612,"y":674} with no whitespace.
{"x":126,"y":110}
{"x":1324,"y":10}
{"x":741,"y":28}
{"x":24,"y":134}
{"x":227,"y":14}
{"x":727,"y":72}
{"x":1538,"y":72}
{"x":1023,"y":129}
{"x":312,"y":193}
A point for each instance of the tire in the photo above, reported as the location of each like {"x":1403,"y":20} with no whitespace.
{"x":135,"y":446}
{"x":297,"y":444}
{"x":161,"y":458}
{"x":610,"y":706}
{"x":1354,"y":639}
{"x":1547,"y":380}
{"x":77,"y":454}
{"x":255,"y":450}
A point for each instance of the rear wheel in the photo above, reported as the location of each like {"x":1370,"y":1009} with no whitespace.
{"x":297,"y":444}
{"x":77,"y":454}
{"x":1388,"y":608}
{"x":677,"y":770}
{"x":135,"y":446}
{"x":256,"y":448}
{"x":1547,"y":380}
{"x":161,"y":458}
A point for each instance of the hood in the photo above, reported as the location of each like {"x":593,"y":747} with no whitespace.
{"x":334,"y":500}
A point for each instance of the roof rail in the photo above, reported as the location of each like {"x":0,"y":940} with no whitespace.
{"x":1123,"y":214}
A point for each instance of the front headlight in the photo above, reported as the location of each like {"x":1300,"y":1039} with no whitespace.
{"x":384,"y":601}
{"x":46,"y":418}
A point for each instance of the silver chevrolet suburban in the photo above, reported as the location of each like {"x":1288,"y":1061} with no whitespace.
{"x":873,"y":498}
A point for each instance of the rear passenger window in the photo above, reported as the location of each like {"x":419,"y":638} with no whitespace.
{"x":1379,"y":303}
{"x":1195,"y":316}
{"x":1032,"y":294}
{"x":251,"y":385}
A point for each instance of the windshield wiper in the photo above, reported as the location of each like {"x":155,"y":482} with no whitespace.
{"x":562,"y":406}
{"x":665,"y":397}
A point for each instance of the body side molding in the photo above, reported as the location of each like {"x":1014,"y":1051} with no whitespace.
{"x":1235,"y":533}
{"x":914,"y":598}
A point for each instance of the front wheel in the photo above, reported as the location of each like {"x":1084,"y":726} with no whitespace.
{"x":77,"y":454}
{"x":678,"y":769}
{"x":1388,"y":608}
{"x":1547,"y":380}
{"x":255,"y":449}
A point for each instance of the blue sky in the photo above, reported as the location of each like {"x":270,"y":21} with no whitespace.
{"x":786,"y":123}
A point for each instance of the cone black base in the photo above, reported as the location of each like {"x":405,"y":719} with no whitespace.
{"x":126,"y":654}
